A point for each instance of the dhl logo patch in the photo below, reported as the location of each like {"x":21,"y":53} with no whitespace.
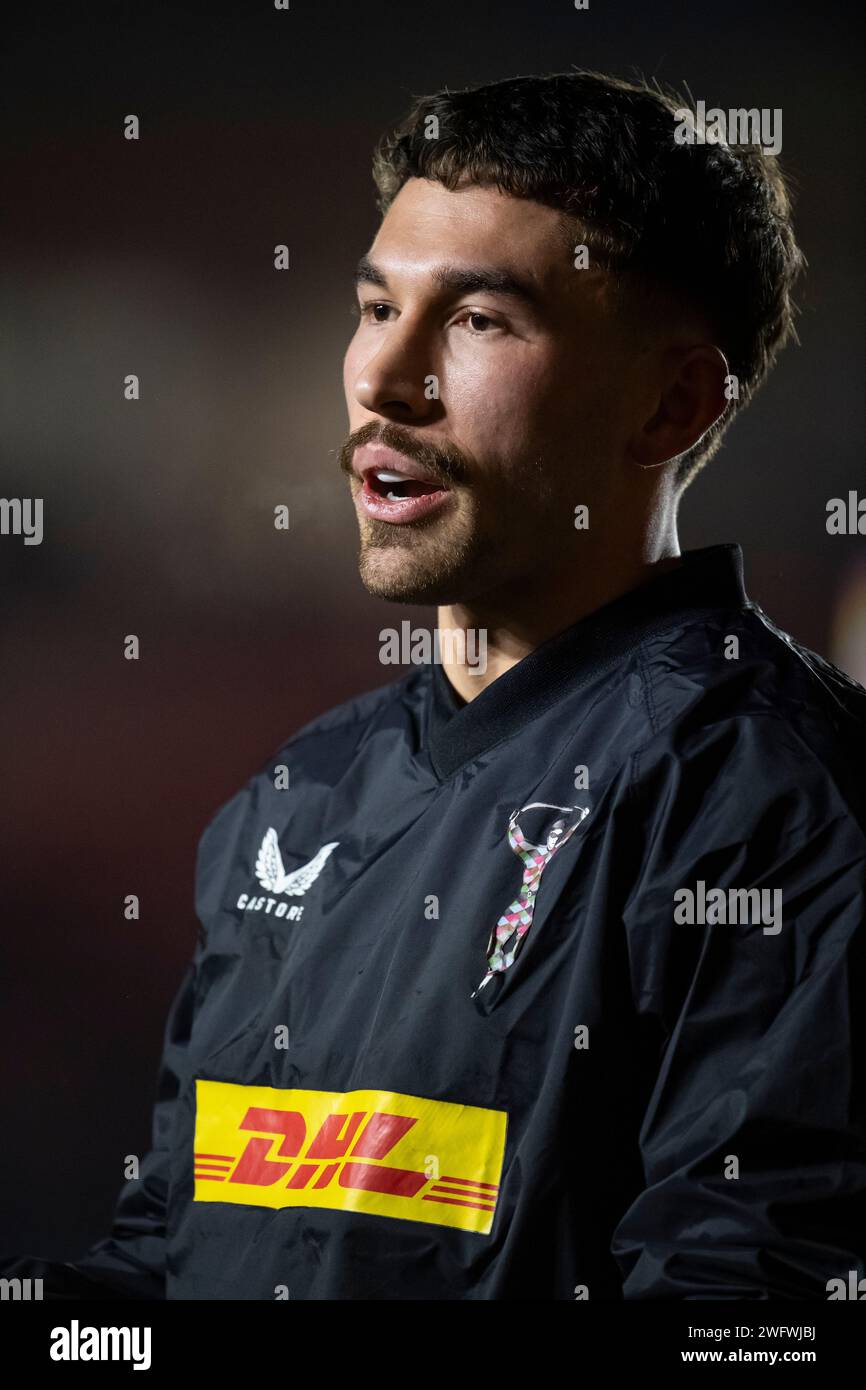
{"x":371,"y":1151}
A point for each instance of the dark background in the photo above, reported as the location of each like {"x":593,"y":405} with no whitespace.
{"x":155,"y":257}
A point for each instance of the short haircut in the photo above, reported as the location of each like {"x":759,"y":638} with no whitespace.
{"x":703,"y":225}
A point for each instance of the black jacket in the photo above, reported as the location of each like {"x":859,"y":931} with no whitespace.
{"x":649,"y":1084}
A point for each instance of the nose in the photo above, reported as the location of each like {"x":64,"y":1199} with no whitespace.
{"x":397,"y":379}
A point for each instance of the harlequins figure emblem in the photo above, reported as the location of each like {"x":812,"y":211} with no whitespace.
{"x":508,"y":934}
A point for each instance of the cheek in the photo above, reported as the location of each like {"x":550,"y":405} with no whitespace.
{"x":504,"y":396}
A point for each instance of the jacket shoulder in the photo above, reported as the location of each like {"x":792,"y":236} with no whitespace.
{"x":320,"y":749}
{"x":737,"y":699}
{"x":342,"y":726}
{"x":739,"y":663}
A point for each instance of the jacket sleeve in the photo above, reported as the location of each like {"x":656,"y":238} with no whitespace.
{"x":130,"y":1263}
{"x":753,"y":1141}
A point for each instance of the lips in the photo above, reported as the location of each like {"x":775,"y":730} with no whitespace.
{"x":394,"y":487}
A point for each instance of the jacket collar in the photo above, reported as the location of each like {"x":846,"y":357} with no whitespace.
{"x":707,"y":580}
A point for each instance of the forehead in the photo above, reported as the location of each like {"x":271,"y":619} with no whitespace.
{"x":428,"y":223}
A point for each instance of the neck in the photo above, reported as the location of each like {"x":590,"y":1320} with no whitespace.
{"x":501,"y":628}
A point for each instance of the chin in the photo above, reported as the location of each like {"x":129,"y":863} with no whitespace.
{"x":396,"y":586}
{"x":404,"y":578}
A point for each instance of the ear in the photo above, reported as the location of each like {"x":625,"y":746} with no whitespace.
{"x":691,"y":398}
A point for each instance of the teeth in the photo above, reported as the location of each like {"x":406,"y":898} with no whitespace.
{"x":393,"y":497}
{"x":385,"y":477}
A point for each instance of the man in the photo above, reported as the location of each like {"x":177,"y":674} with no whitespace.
{"x":537,"y":981}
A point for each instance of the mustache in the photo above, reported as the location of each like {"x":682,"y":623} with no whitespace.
{"x":444,"y":462}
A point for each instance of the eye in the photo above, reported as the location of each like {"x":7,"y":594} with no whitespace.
{"x":480,"y":324}
{"x":368,"y":311}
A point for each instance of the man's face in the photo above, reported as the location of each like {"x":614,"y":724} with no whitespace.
{"x":500,"y":411}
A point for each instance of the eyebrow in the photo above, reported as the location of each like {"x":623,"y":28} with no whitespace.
{"x":462,"y":280}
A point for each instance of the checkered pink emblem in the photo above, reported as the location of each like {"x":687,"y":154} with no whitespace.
{"x":507,"y":936}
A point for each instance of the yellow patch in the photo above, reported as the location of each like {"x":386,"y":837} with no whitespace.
{"x":371,"y":1151}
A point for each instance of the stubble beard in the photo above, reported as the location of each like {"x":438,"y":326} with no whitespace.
{"x":458,"y":558}
{"x":418,"y":564}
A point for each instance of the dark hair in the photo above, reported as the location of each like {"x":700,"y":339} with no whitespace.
{"x":706,"y":223}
